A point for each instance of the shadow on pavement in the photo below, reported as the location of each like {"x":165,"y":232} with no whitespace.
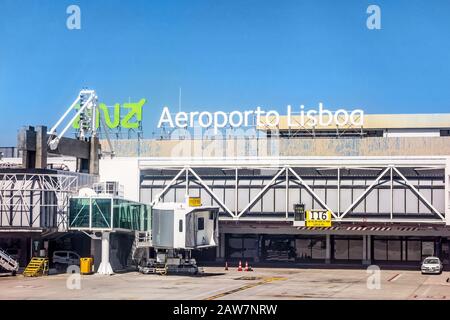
{"x":292,"y":265}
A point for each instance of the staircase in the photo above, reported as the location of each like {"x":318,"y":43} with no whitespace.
{"x":7,"y":262}
{"x":36,"y":267}
{"x":142,"y":239}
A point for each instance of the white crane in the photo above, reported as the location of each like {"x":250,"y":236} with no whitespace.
{"x":87,"y":112}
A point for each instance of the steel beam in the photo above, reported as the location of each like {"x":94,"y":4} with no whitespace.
{"x":211,"y":193}
{"x":21,"y":193}
{"x":163,"y":192}
{"x":313,"y":194}
{"x":261,"y":193}
{"x":287,"y":192}
{"x":419,"y":194}
{"x":366,"y":192}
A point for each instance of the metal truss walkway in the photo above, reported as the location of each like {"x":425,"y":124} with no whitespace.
{"x":353,"y":189}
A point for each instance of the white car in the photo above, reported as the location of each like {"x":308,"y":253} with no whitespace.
{"x":65,"y":258}
{"x":431,"y":265}
{"x":13,"y":253}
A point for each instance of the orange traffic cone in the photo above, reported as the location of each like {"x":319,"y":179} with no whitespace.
{"x":246,"y":266}
{"x":226,"y":266}
{"x":240,"y":266}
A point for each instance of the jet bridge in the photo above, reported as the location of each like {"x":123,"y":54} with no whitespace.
{"x":173,"y":230}
{"x":177,"y":229}
{"x":98,"y":214}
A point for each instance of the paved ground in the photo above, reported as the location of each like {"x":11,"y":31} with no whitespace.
{"x":263,"y":283}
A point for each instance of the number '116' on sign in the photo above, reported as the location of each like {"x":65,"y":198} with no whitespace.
{"x":318,"y":218}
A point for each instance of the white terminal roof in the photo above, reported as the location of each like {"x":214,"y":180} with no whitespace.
{"x":371,"y":121}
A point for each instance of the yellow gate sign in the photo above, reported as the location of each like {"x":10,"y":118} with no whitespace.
{"x":318,"y":218}
{"x":195,"y":201}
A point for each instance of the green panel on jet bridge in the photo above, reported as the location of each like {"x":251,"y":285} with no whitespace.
{"x":94,"y":213}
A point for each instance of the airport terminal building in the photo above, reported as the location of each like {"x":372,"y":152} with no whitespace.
{"x":385,"y":185}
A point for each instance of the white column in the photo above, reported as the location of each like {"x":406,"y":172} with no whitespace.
{"x":328,"y":249}
{"x":287,"y":193}
{"x":236,"y":195}
{"x":447,"y":192}
{"x":187,"y":186}
{"x":392,"y":193}
{"x":105,"y":266}
{"x":339,"y":192}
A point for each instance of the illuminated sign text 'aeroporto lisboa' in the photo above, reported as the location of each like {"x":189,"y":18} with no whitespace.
{"x":236,"y":119}
{"x":127,"y":116}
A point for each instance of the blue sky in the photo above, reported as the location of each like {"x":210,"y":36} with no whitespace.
{"x":224,"y":54}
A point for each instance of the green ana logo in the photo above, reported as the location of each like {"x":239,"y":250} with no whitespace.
{"x":127,"y":116}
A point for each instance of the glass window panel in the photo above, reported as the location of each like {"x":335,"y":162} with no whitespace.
{"x":380,"y":249}
{"x":250,"y":248}
{"x":149,"y":217}
{"x":279,"y":249}
{"x":445,"y":252}
{"x":356,"y":249}
{"x":318,"y":248}
{"x":427,"y":248}
{"x":302,"y":248}
{"x":413,"y":252}
{"x":394,"y":250}
{"x":135,"y":216}
{"x":79,"y":212}
{"x":341,"y":249}
{"x":234,"y":247}
{"x":116,"y":213}
{"x":131,"y":215}
{"x":145,"y":212}
{"x":101,"y":213}
{"x":120,"y":214}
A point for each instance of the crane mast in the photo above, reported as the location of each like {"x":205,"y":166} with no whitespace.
{"x":87,"y":102}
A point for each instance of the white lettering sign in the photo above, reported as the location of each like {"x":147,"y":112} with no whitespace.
{"x":235,"y":119}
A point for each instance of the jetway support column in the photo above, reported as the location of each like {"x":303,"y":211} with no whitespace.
{"x":105,"y":266}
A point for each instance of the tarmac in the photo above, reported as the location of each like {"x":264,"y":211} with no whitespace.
{"x":217,"y":284}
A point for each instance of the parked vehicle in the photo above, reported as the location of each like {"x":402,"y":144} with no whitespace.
{"x":13,"y":253}
{"x":431,"y":265}
{"x":63,"y":259}
{"x":8,"y":263}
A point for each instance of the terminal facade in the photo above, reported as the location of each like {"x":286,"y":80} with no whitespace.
{"x":386,"y":185}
